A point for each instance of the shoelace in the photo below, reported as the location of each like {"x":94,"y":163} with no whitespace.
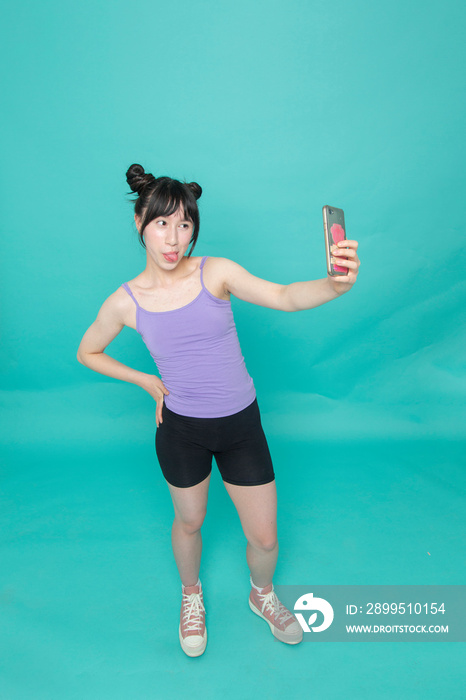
{"x":273,"y":605}
{"x":193,"y":607}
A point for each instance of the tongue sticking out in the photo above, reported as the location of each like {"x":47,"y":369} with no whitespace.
{"x":172,"y":257}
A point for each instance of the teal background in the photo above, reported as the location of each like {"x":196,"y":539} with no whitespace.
{"x":275,"y":109}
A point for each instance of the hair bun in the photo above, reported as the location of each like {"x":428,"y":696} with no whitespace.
{"x":137,"y":178}
{"x":195,"y":189}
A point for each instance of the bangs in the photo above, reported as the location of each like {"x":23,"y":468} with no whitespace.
{"x":168,"y":199}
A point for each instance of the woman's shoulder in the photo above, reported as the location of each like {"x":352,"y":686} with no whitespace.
{"x":122,"y":304}
{"x":215,"y":276}
{"x":120,"y":301}
{"x":218,"y":264}
{"x":222,"y":268}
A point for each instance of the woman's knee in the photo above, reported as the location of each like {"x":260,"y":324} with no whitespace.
{"x":190,"y":505}
{"x":190,"y":523}
{"x":266,"y":541}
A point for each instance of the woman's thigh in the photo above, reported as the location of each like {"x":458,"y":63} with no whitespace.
{"x":185,"y":461}
{"x":242,"y":455}
{"x":190,"y":503}
{"x":257,"y":510}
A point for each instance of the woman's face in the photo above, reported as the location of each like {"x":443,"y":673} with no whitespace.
{"x":167,"y":238}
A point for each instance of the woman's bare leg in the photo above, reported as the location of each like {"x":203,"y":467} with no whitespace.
{"x":190,"y":506}
{"x":257,"y":510}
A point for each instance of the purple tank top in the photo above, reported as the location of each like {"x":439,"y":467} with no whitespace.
{"x":197,"y":353}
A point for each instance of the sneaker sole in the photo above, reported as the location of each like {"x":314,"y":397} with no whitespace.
{"x":193,"y":651}
{"x":278,"y":634}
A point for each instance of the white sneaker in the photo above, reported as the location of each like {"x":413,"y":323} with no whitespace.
{"x":283,"y":624}
{"x":192,"y":630}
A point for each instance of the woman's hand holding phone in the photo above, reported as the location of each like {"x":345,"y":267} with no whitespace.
{"x":342,"y":257}
{"x":344,"y":254}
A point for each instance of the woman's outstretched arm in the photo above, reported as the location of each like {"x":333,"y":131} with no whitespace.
{"x":296,"y":296}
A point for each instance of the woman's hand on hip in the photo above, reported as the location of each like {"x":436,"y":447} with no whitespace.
{"x":157,"y":389}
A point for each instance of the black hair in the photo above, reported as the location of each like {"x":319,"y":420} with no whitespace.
{"x":163,"y":196}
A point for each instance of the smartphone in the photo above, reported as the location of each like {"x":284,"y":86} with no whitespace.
{"x":334,"y":230}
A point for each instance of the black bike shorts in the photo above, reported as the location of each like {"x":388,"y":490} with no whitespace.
{"x":185,"y":446}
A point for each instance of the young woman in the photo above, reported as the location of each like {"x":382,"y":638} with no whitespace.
{"x":205,"y":402}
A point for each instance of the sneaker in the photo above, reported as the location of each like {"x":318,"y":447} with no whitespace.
{"x":192,"y":630}
{"x":283,"y":624}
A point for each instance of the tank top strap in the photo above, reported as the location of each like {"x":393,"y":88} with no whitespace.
{"x":202,"y":271}
{"x":126,"y":286}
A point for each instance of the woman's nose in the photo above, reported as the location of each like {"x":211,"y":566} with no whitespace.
{"x":172,"y":236}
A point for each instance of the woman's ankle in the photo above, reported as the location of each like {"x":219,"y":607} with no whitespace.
{"x":190,"y":585}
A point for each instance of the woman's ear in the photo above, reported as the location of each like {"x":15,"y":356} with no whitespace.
{"x":137,"y":220}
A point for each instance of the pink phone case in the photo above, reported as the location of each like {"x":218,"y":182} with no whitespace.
{"x":334,"y":228}
{"x":337,"y":233}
